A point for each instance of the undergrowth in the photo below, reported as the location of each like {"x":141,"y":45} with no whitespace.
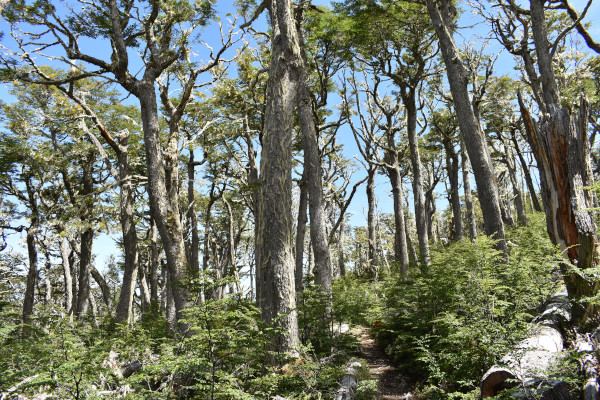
{"x":446,"y":324}
{"x":224,"y":358}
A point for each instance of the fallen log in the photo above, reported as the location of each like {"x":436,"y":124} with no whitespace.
{"x":529,"y":363}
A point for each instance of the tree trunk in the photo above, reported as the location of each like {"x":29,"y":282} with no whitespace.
{"x":567,"y":202}
{"x":130,"y":241}
{"x":154,"y":262}
{"x":253,"y":181}
{"x":415,"y":158}
{"x":532,"y":359}
{"x":314,"y":182}
{"x":277,"y":297}
{"x":467,"y":190}
{"x":32,"y":274}
{"x":85,"y":259}
{"x":47,"y":280}
{"x":194,"y":240}
{"x":314,"y":174}
{"x":164,"y":210}
{"x":526,"y":172}
{"x":469,"y":127}
{"x":301,"y":233}
{"x":412,"y":252}
{"x":452,"y":170}
{"x":67,"y":273}
{"x":512,"y":174}
{"x":566,"y":196}
{"x":87,"y":236}
{"x":400,"y":246}
{"x":373,"y":261}
{"x":104,"y":288}
{"x":341,"y":243}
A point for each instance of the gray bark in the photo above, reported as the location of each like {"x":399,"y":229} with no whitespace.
{"x":32,"y":274}
{"x":154,"y":262}
{"x":47,"y":280}
{"x":104,"y":288}
{"x":526,"y":172}
{"x":415,"y":158}
{"x":130,"y":241}
{"x":469,"y":127}
{"x":400,"y":239}
{"x":452,"y":166}
{"x":472,"y":221}
{"x":165,"y":211}
{"x":531,"y":360}
{"x":194,"y":240}
{"x":301,"y":233}
{"x":87,"y":237}
{"x":314,"y":182}
{"x":412,"y":252}
{"x":518,"y":198}
{"x":340,"y":244}
{"x":373,"y":260}
{"x":277,"y":297}
{"x":314,"y":174}
{"x":67,"y":273}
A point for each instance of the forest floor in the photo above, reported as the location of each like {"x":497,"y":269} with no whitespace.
{"x":392,"y":385}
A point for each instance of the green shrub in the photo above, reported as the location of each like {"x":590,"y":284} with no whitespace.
{"x":448,"y":323}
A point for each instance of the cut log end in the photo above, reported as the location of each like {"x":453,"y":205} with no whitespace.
{"x":496,"y":380}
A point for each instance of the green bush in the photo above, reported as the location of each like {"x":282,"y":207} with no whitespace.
{"x":357,"y":300}
{"x":448,"y":323}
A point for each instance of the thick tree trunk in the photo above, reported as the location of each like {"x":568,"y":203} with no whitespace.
{"x":301,"y":233}
{"x":566,"y":200}
{"x":164,"y":210}
{"x":532,"y":359}
{"x":277,"y":297}
{"x":314,"y":182}
{"x":469,"y":127}
{"x":85,"y":259}
{"x":87,"y":236}
{"x":566,"y":196}
{"x":415,"y":158}
{"x":314,"y":174}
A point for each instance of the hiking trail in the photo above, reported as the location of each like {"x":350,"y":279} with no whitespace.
{"x":392,"y":385}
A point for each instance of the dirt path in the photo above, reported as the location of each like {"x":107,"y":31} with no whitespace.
{"x":392,"y":386}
